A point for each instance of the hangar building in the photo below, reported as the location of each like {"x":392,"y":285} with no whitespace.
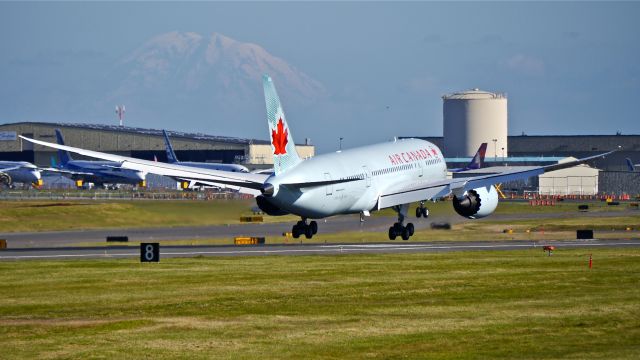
{"x":135,"y":142}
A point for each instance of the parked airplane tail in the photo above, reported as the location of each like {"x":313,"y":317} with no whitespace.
{"x":65,"y":157}
{"x":284,"y":149}
{"x":171,"y":155}
{"x":478,"y":159}
{"x":629,"y":164}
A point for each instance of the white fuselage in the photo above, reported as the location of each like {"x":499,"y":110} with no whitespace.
{"x":377,"y":168}
{"x":27,"y":173}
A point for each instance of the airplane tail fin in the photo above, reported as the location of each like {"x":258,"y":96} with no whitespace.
{"x":171,"y":155}
{"x":284,"y":149}
{"x":65,"y":157}
{"x":478,"y":159}
{"x":629,"y":164}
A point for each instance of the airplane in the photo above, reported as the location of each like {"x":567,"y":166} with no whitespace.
{"x":97,"y":172}
{"x":173,"y":159}
{"x":630,"y":165}
{"x":19,"y":171}
{"x":358,"y":180}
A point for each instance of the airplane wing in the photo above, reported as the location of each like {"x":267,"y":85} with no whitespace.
{"x":247,"y":181}
{"x":10,"y":168}
{"x":412,"y":193}
{"x":66,"y":172}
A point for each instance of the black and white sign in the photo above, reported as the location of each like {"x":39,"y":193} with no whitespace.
{"x":149,"y":252}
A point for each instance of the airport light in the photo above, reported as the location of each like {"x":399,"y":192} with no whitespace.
{"x":120,"y":110}
{"x":495,"y":150}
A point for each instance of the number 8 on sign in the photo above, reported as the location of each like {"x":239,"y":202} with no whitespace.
{"x":149,"y":252}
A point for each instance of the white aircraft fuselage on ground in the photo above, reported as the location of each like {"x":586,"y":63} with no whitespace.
{"x":375,"y":169}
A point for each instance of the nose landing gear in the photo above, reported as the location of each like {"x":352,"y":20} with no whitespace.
{"x":302,"y":228}
{"x":398,"y":229}
{"x":422,"y":211}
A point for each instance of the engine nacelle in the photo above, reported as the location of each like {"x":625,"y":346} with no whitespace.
{"x":268,"y":208}
{"x":5,"y":179}
{"x":476,"y":203}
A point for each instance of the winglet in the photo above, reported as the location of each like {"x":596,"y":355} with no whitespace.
{"x":282,"y":145}
{"x":171,"y":155}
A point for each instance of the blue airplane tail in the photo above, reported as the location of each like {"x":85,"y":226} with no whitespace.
{"x":65,"y":157}
{"x":629,"y":164}
{"x":171,"y":155}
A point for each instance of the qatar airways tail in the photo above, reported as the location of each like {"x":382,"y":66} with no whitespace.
{"x":360,"y":180}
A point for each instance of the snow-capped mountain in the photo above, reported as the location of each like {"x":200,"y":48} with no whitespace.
{"x":203,"y":79}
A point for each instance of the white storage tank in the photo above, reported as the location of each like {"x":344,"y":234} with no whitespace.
{"x":471,"y":118}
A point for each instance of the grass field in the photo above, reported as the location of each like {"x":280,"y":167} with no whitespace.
{"x":515,"y":305}
{"x":16,"y":216}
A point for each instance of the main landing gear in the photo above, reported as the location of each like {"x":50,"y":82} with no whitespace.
{"x":422,"y":211}
{"x":398,"y":229}
{"x":302,"y":228}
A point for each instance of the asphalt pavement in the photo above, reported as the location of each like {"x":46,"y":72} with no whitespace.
{"x":303,"y":249}
{"x":334,"y":224}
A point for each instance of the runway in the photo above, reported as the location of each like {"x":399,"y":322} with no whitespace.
{"x":302,"y":249}
{"x":331,"y":225}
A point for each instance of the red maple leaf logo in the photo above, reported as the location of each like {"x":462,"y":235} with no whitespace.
{"x":279,"y":139}
{"x":434,"y":152}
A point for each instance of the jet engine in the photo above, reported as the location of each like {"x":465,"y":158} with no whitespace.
{"x":5,"y":179}
{"x":476,"y":203}
{"x":268,"y":208}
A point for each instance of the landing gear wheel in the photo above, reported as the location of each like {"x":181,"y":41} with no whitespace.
{"x":308,"y":232}
{"x":314,"y":227}
{"x":425,"y":212}
{"x":405,"y":234}
{"x":295,"y":232}
{"x":410,"y":228}
{"x":419,"y":212}
{"x":392,"y":233}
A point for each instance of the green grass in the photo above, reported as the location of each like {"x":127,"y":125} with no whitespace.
{"x":17,"y":216}
{"x":516,"y":305}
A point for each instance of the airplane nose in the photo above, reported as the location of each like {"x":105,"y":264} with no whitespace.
{"x":36,"y":174}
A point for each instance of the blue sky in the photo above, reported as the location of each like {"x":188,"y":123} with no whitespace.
{"x":568,"y":68}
